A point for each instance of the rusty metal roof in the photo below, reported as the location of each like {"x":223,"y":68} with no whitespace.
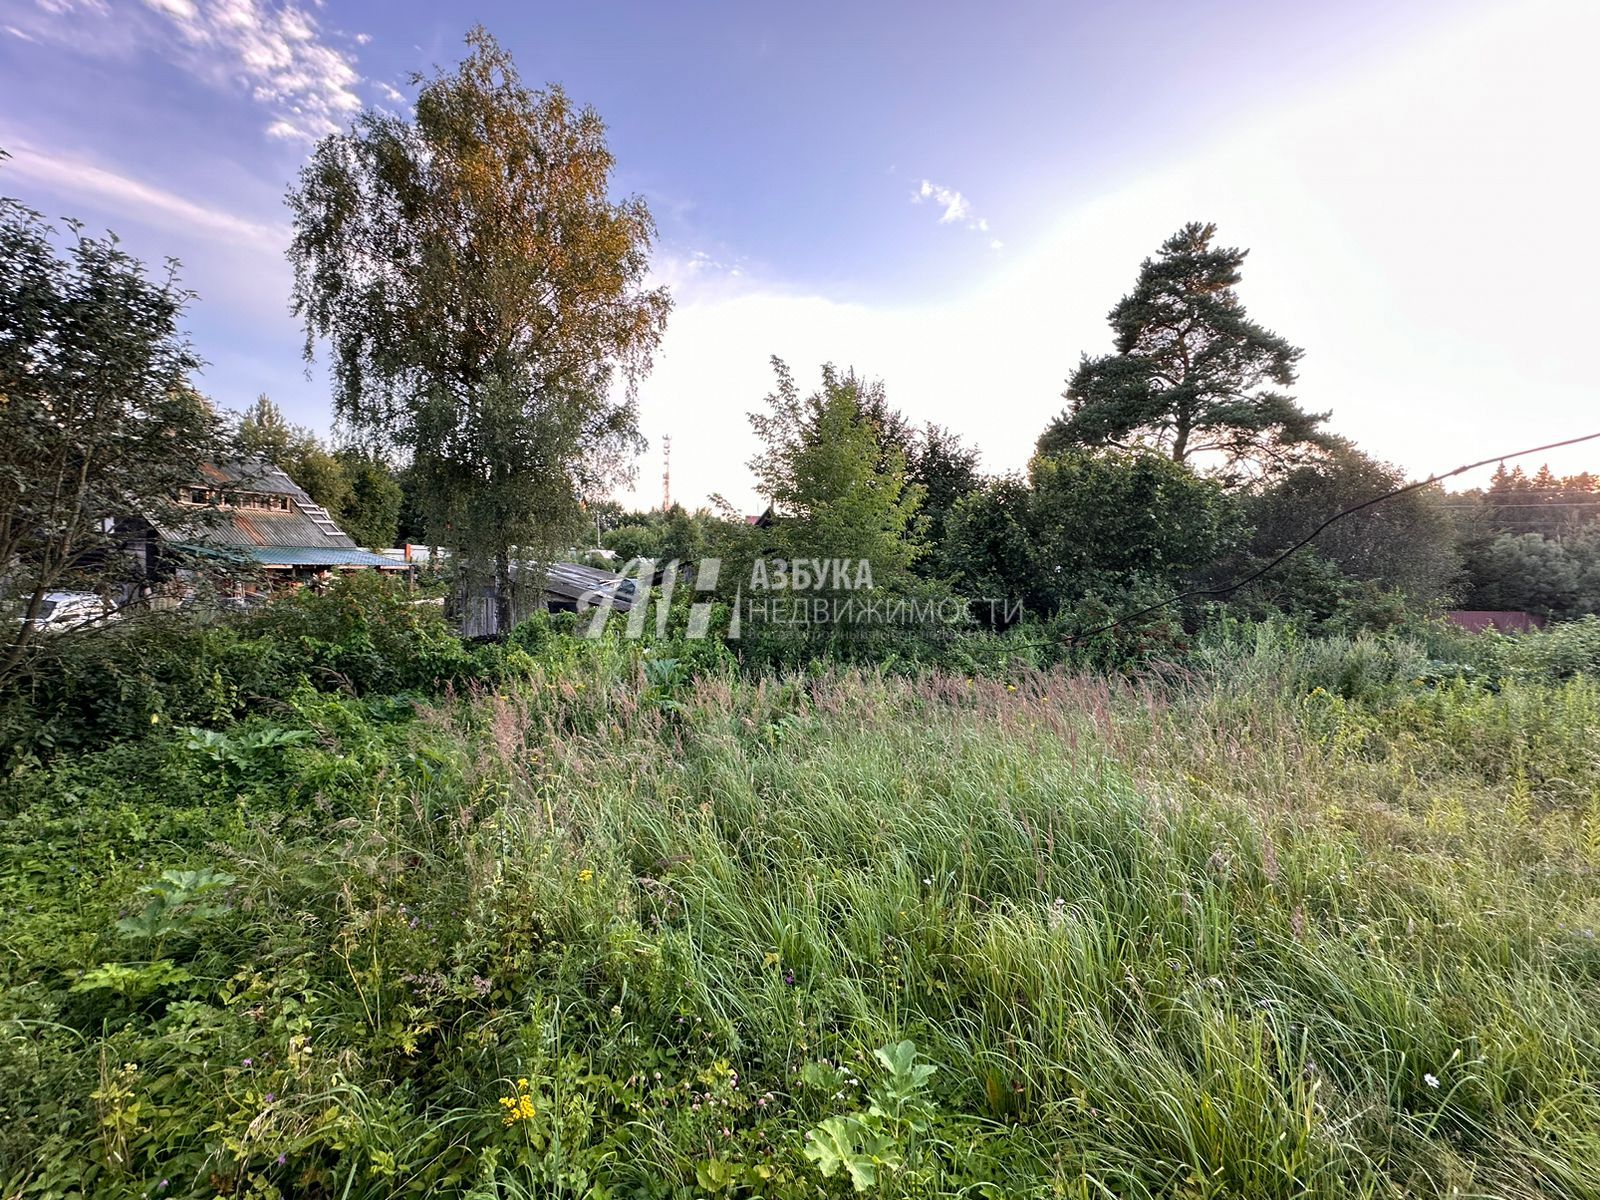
{"x":254,"y":475}
{"x":303,"y":525}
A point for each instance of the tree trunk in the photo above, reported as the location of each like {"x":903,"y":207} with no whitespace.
{"x":503,"y":587}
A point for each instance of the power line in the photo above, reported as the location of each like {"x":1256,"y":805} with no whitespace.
{"x":1488,"y":505}
{"x":1310,"y":537}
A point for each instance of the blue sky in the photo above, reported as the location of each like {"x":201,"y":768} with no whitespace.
{"x":946,"y":196}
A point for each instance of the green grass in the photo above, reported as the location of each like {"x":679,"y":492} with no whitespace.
{"x":1301,"y":921}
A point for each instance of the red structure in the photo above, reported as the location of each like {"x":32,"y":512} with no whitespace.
{"x":1482,"y":620}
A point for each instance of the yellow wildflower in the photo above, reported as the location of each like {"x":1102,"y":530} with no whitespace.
{"x":585,"y":875}
{"x":518,"y":1106}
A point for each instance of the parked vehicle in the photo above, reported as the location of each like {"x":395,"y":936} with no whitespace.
{"x":61,"y":611}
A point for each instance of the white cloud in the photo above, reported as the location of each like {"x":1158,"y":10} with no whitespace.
{"x":956,"y":206}
{"x":87,"y":182}
{"x":1421,"y":230}
{"x":272,"y":50}
{"x":62,"y":7}
{"x":957,"y":209}
{"x":392,"y":94}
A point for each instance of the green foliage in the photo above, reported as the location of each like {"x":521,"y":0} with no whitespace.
{"x":837,"y":490}
{"x":1191,"y":375}
{"x":177,"y":902}
{"x":1109,"y":524}
{"x":98,"y":420}
{"x":358,"y":488}
{"x":371,"y":512}
{"x":1543,"y":502}
{"x":1532,"y":573}
{"x":1405,"y":545}
{"x":149,"y":674}
{"x":664,"y":536}
{"x":1312,"y":916}
{"x":881,"y":1143}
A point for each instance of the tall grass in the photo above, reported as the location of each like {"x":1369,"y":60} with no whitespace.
{"x":1302,"y":920}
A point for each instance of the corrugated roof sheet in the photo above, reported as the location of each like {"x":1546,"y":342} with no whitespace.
{"x":254,"y":475}
{"x":320,"y":556}
{"x":248,"y":527}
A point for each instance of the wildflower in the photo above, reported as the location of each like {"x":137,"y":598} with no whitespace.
{"x":1011,"y":687}
{"x":1431,"y":1080}
{"x":249,"y":1062}
{"x":155,"y":718}
{"x":270,"y":1097}
{"x":518,"y":1106}
{"x":585,"y":875}
{"x":282,"y":1159}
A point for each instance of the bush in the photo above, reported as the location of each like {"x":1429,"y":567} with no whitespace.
{"x":365,"y":636}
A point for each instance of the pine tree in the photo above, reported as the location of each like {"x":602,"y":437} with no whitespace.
{"x":1192,"y":374}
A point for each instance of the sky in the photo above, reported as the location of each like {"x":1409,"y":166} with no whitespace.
{"x":944,"y":196}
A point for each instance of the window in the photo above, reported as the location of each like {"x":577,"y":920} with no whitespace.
{"x":199,"y":496}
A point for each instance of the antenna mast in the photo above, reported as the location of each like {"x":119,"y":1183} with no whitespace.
{"x":666,"y":472}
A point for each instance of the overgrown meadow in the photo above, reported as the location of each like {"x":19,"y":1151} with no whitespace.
{"x":1295,"y":917}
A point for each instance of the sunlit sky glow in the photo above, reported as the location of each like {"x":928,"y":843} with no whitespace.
{"x":946,"y":197}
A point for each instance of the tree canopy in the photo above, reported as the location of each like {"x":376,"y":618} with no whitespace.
{"x":1089,"y":523}
{"x":485,"y":303}
{"x":838,"y":488}
{"x":1192,"y":374}
{"x":1407,"y":544}
{"x":98,"y":420}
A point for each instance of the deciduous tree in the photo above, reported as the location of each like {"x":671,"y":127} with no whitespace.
{"x":837,"y":491}
{"x":98,"y":420}
{"x":1406,"y":545}
{"x":1103,"y":523}
{"x":484,"y":299}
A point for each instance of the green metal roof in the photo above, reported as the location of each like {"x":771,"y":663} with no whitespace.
{"x":317,"y":556}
